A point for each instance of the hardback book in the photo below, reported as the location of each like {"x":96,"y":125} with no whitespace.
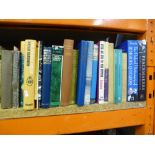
{"x":124,"y":77}
{"x":0,"y":71}
{"x":40,"y":67}
{"x":111,"y":73}
{"x":46,"y":77}
{"x":100,"y":85}
{"x":21,"y":75}
{"x":74,"y":77}
{"x":142,"y":70}
{"x":29,"y":74}
{"x":89,"y":72}
{"x":67,"y":72}
{"x":94,"y":75}
{"x":56,"y":75}
{"x":117,"y":76}
{"x":82,"y":65}
{"x":15,"y":78}
{"x":6,"y":78}
{"x":131,"y":47}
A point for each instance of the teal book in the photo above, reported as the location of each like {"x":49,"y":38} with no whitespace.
{"x":117,"y":76}
{"x":56,"y":75}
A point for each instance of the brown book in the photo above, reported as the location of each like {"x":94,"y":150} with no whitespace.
{"x":67,"y":72}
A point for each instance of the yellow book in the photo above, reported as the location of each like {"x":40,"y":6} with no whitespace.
{"x":29,"y":74}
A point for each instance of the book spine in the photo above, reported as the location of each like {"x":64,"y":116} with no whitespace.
{"x":15,"y":79}
{"x":100,"y":92}
{"x":0,"y":73}
{"x":142,"y":70}
{"x":94,"y":75}
{"x":124,"y":77}
{"x":74,"y":77}
{"x":67,"y":72}
{"x":40,"y":59}
{"x":115,"y":76}
{"x":111,"y":73}
{"x":21,"y":76}
{"x":83,"y":53}
{"x":6,"y":88}
{"x":29,"y":74}
{"x":46,"y":79}
{"x":56,"y":75}
{"x":89,"y":72}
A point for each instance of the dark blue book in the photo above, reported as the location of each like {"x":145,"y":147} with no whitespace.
{"x":46,"y":77}
{"x":131,"y":47}
{"x":82,"y":65}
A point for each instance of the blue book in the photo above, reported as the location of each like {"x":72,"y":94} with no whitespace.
{"x":89,"y":72}
{"x":46,"y":77}
{"x":94,"y":75}
{"x":131,"y":47}
{"x":117,"y":76}
{"x":81,"y":79}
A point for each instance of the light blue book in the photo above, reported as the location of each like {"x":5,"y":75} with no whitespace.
{"x":94,"y":75}
{"x":89,"y":72}
{"x":117,"y":76}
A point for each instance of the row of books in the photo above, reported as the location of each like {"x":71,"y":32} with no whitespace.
{"x":37,"y":76}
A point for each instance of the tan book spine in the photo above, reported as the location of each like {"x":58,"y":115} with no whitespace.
{"x":67,"y":72}
{"x":124,"y":77}
{"x":29,"y":74}
{"x":111,"y":73}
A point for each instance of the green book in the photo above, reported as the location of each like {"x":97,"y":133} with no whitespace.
{"x":0,"y":71}
{"x":74,"y":77}
{"x":56,"y":75}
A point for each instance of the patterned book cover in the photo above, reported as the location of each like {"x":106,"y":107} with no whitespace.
{"x":89,"y":73}
{"x":15,"y":79}
{"x":94,"y":75}
{"x":142,"y":70}
{"x":82,"y":65}
{"x":100,"y":87}
{"x":56,"y":75}
{"x":29,"y":74}
{"x":74,"y":77}
{"x":46,"y":78}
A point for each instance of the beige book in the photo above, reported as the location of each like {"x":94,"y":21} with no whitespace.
{"x":124,"y":76}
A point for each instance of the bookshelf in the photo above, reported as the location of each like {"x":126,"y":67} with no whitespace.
{"x":86,"y":119}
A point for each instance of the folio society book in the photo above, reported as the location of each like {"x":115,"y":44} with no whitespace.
{"x":74,"y":77}
{"x":82,"y":65}
{"x":94,"y":75}
{"x":56,"y":75}
{"x":67,"y":72}
{"x":6,"y":77}
{"x":142,"y":70}
{"x":29,"y":74}
{"x":131,"y":47}
{"x":46,"y":78}
{"x":89,"y":72}
{"x":117,"y":76}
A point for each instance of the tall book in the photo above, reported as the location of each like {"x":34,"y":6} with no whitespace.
{"x":67,"y":72}
{"x":89,"y":73}
{"x":117,"y":76}
{"x":124,"y":77}
{"x":142,"y":70}
{"x":94,"y":75}
{"x":0,"y":71}
{"x":111,"y":73}
{"x":46,"y":78}
{"x":29,"y":74}
{"x":100,"y":85}
{"x":74,"y":77}
{"x":56,"y":75}
{"x":131,"y":47}
{"x":82,"y":65}
{"x":15,"y":79}
{"x":40,"y":67}
{"x":21,"y":75}
{"x":6,"y":76}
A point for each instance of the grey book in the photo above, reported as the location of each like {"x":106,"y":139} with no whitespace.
{"x":6,"y":79}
